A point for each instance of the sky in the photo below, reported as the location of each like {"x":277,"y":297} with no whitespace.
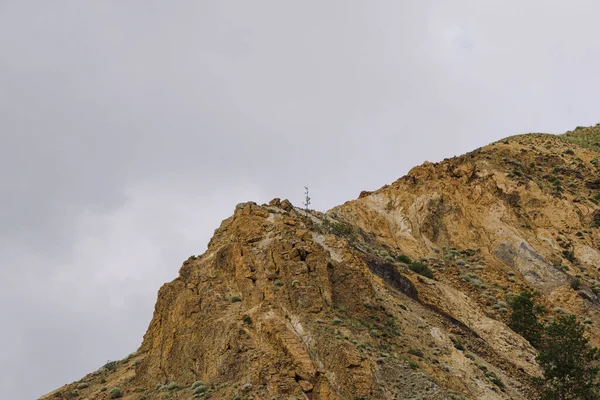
{"x":130,"y":129}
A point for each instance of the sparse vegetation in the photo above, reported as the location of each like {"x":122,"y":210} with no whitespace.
{"x":110,"y":366}
{"x":494,"y":379}
{"x":421,"y":269}
{"x":338,"y":228}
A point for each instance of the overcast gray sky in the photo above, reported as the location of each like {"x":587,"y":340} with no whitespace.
{"x":130,"y":129}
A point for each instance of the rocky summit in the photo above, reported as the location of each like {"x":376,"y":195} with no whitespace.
{"x":403,"y":293}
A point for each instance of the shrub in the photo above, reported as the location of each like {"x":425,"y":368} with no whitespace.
{"x":235,"y":299}
{"x":496,"y":381}
{"x":247,"y":320}
{"x":110,"y":366}
{"x":575,"y":284}
{"x":199,"y":389}
{"x":404,"y":259}
{"x":197,"y":383}
{"x":569,"y":255}
{"x":338,"y":228}
{"x":457,"y":344}
{"x":115,"y":393}
{"x":82,"y":385}
{"x":421,"y":269}
{"x":416,"y":352}
{"x":337,"y":321}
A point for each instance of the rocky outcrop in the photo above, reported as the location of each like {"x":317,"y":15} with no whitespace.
{"x":291,"y":304}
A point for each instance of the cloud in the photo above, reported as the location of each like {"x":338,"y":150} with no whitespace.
{"x":94,"y":304}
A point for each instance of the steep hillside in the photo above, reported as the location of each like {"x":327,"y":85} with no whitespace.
{"x":399,"y":294}
{"x":584,"y":136}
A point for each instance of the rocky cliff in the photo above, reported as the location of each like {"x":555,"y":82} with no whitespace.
{"x":399,"y":294}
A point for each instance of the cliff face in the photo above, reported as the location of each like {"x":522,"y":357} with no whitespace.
{"x":290,"y":304}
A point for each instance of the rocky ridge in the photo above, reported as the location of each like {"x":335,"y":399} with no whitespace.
{"x":399,"y":294}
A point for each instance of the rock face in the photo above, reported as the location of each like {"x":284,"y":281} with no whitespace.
{"x":290,"y":304}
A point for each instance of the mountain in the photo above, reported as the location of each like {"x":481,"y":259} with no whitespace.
{"x":399,"y":294}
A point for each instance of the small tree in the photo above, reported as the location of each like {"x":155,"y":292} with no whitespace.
{"x":306,"y":199}
{"x":524,"y":317}
{"x":568,"y":362}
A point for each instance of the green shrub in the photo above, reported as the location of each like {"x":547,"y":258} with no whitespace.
{"x":404,"y":259}
{"x":495,"y":380}
{"x":235,"y":299}
{"x":197,"y":383}
{"x":199,"y":389}
{"x":338,"y":228}
{"x":416,"y":352}
{"x":247,"y":320}
{"x":575,"y":284}
{"x":110,"y":366}
{"x":115,"y":393}
{"x":421,"y":269}
{"x":569,"y":255}
{"x":457,"y":344}
{"x":172,"y":386}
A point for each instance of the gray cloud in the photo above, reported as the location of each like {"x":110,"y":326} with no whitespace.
{"x":129,"y":130}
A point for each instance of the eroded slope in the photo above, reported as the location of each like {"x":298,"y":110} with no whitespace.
{"x":291,"y":304}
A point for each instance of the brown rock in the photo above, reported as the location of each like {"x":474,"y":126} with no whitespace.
{"x":306,"y":386}
{"x":286,"y":205}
